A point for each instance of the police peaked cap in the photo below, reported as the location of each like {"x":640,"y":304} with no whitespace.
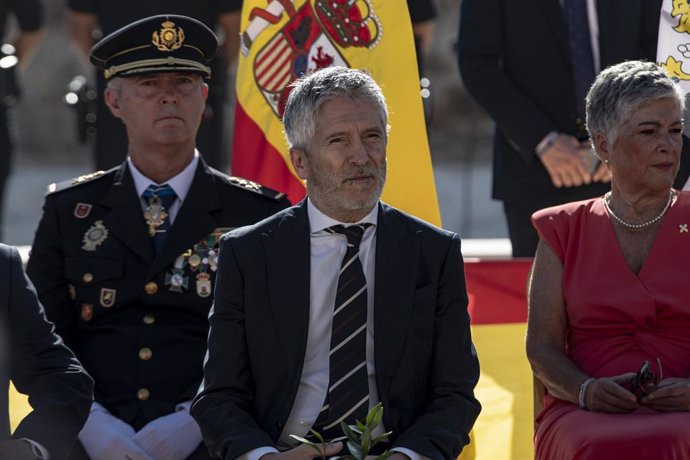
{"x":163,"y":43}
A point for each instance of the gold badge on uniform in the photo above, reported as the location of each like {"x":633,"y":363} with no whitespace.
{"x":82,"y":210}
{"x":168,"y":38}
{"x":203,"y":284}
{"x":107,"y":297}
{"x":86,"y":311}
{"x":94,"y":236}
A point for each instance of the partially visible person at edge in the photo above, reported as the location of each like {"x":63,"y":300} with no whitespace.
{"x":609,"y":292}
{"x":35,"y":359}
{"x":124,"y":261}
{"x":296,"y":338}
{"x":29,"y":17}
{"x":89,"y":19}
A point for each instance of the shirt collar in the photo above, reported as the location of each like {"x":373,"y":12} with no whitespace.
{"x":180,"y":183}
{"x":318,"y":221}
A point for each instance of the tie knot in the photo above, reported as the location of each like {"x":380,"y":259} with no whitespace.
{"x":158,"y":191}
{"x":353,"y":233}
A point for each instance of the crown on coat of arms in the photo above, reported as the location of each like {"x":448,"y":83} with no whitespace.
{"x":349,"y":22}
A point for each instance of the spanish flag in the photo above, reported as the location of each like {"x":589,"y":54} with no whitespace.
{"x":285,"y":39}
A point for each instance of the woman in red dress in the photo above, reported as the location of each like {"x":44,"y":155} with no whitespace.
{"x":610,"y":286}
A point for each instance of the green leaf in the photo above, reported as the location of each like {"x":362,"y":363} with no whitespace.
{"x":302,"y":440}
{"x":347,"y":431}
{"x":384,"y":455}
{"x":374,"y":416}
{"x":355,"y":450}
{"x":366,"y":442}
{"x":380,"y":438}
{"x":361,"y":426}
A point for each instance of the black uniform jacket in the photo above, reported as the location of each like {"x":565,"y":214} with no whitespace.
{"x":39,"y":365}
{"x":137,"y":322}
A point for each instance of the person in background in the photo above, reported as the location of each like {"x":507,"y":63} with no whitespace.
{"x":608,"y":294}
{"x":29,"y":17}
{"x":124,"y":261}
{"x":338,"y":303}
{"x":90,"y":18}
{"x":36,"y":360}
{"x":529,"y":64}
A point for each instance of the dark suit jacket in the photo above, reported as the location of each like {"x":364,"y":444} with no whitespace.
{"x":426,"y":366}
{"x":515,"y":62}
{"x":39,"y":365}
{"x":142,"y":341}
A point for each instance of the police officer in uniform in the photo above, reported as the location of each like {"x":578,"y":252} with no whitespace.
{"x":124,"y":260}
{"x":87,"y":17}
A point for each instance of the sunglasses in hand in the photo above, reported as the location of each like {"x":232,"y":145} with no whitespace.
{"x":645,"y":381}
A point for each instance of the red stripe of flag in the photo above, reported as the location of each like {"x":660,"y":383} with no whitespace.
{"x":267,"y":168}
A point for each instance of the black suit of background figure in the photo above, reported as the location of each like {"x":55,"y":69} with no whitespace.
{"x":29,"y":17}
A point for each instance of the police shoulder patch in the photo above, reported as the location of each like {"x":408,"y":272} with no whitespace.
{"x":66,"y":184}
{"x":253,"y":187}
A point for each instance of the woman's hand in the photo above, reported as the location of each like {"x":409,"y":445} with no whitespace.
{"x":608,"y":394}
{"x":671,"y":395}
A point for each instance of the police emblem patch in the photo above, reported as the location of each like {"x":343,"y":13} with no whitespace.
{"x":82,"y":210}
{"x":107,"y":299}
{"x":94,"y":236}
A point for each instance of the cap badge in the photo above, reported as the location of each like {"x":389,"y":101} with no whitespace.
{"x":168,"y":38}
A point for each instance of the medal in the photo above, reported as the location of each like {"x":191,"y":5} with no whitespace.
{"x":177,"y":280}
{"x":155,"y":214}
{"x":203,"y":284}
{"x":94,"y":236}
{"x":86,"y":311}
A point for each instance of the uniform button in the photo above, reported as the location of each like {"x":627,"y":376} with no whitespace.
{"x":149,"y":319}
{"x":145,"y":354}
{"x":143,"y":394}
{"x":151,"y":287}
{"x":88,"y":277}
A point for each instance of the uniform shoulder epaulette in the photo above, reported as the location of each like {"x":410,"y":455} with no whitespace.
{"x":253,"y":187}
{"x":69,"y":183}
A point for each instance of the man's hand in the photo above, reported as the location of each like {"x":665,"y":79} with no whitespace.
{"x":304,"y":451}
{"x":106,"y":437}
{"x":608,"y":395}
{"x":16,"y":449}
{"x":565,"y":162}
{"x":172,"y":437}
{"x":602,"y":174}
{"x":671,"y":395}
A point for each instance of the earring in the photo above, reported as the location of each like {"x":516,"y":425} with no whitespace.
{"x":606,"y":162}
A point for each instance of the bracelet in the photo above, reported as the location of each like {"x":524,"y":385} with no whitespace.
{"x":583,"y":389}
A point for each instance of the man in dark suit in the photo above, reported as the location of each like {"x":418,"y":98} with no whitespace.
{"x":124,"y":260}
{"x":34,"y":358}
{"x":518,"y":61}
{"x":286,"y":346}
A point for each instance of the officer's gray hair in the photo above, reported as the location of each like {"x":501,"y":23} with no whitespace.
{"x":309,"y":93}
{"x":621,"y":89}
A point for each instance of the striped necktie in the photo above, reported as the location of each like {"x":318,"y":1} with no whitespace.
{"x":348,"y":388}
{"x":159,"y":199}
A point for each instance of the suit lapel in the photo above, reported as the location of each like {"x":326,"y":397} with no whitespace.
{"x":397,"y":262}
{"x":553,"y":12}
{"x":288,"y":258}
{"x":125,"y":220}
{"x":194,"y":221}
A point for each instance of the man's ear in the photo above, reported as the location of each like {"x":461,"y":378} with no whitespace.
{"x":299,"y":161}
{"x":204,"y":90}
{"x":112,"y":100}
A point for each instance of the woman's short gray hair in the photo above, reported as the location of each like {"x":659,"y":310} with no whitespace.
{"x":310,"y":92}
{"x":621,"y":89}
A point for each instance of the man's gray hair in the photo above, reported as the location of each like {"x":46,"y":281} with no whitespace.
{"x":310,"y":92}
{"x":621,"y":89}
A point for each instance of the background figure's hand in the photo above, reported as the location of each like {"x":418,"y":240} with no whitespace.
{"x":608,"y":395}
{"x":106,"y":437}
{"x":565,"y":163}
{"x":602,"y":174}
{"x":172,"y":437}
{"x":671,"y":395}
{"x":16,"y":449}
{"x":304,"y":451}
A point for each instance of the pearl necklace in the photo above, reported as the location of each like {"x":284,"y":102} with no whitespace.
{"x":607,"y":205}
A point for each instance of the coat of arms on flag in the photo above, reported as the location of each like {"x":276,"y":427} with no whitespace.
{"x":673,"y":48}
{"x":281,"y":40}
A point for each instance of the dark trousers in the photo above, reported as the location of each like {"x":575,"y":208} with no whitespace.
{"x":523,"y":236}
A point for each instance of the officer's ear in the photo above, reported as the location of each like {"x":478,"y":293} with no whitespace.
{"x":112,"y":100}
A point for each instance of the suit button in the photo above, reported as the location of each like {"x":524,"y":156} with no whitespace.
{"x":151,"y":287}
{"x":88,"y":277}
{"x":145,"y":354}
{"x":143,"y":394}
{"x":149,"y":319}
